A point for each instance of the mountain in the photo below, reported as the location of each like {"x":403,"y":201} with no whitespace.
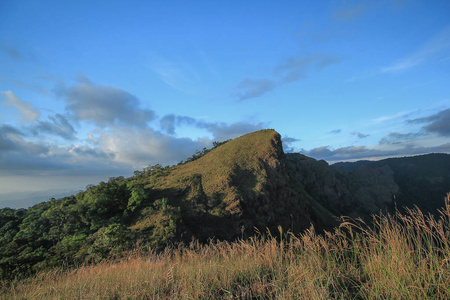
{"x":231,"y":191}
{"x":363,"y":188}
{"x":359,"y":193}
{"x":240,"y":185}
{"x":422,"y":180}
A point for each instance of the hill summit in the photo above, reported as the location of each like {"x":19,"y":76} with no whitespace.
{"x":235,"y":187}
{"x":230,"y":191}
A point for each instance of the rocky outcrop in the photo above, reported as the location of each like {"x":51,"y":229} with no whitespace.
{"x":250,"y":183}
{"x":361,"y":193}
{"x":244,"y":184}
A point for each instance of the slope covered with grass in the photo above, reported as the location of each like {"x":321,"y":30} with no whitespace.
{"x":241,"y":184}
{"x":231,"y":191}
{"x":223,"y":193}
{"x":402,"y":256}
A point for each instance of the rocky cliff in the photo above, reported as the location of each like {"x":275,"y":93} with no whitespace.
{"x":243,"y":184}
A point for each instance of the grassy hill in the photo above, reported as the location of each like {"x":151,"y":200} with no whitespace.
{"x":398,"y":257}
{"x":233,"y":188}
{"x":224,"y":193}
{"x":232,"y":191}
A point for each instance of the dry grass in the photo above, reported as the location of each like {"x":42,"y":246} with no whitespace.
{"x":215,"y":167}
{"x":398,"y":257}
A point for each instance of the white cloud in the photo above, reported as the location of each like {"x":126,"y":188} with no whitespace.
{"x":222,"y":131}
{"x":28,"y":113}
{"x":399,"y":115}
{"x":146,"y":146}
{"x":105,"y":105}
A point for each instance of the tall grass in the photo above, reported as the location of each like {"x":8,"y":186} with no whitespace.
{"x":400,"y":256}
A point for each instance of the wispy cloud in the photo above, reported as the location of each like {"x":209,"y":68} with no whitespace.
{"x":252,"y":88}
{"x":435,"y":47}
{"x":289,"y":70}
{"x":22,"y":85}
{"x":185,"y":74}
{"x":335,"y":131}
{"x":350,"y":13}
{"x":15,"y":53}
{"x":28,"y":113}
{"x":172,"y":75}
{"x":295,"y":68}
{"x":399,"y":115}
{"x":360,"y":135}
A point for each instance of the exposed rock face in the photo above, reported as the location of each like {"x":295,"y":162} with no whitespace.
{"x":244,"y":183}
{"x":422,"y":180}
{"x":249,"y":182}
{"x":321,"y":182}
{"x":364,"y":192}
{"x":220,"y":193}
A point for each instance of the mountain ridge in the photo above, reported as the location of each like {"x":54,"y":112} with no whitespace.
{"x":240,"y":187}
{"x":246,"y":182}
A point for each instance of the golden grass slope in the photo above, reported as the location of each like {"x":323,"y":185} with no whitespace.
{"x":237,"y":167}
{"x":400,"y":257}
{"x":243,"y":183}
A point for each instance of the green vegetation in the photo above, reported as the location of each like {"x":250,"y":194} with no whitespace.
{"x":402,"y":256}
{"x":199,"y":153}
{"x":210,"y":196}
{"x":102,"y":222}
{"x":96,"y":244}
{"x":420,"y":177}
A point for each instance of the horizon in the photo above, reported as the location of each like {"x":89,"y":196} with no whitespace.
{"x":90,"y":91}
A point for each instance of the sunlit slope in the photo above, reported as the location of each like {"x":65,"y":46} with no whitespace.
{"x":242,"y":183}
{"x":232,"y":171}
{"x":230,"y":191}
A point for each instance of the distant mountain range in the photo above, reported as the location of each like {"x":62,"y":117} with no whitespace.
{"x":229,"y":191}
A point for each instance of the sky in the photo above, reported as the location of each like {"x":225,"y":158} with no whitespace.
{"x":96,"y":89}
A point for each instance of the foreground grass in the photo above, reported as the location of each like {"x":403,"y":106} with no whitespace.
{"x":399,"y":257}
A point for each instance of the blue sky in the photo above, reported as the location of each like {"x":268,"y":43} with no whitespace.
{"x":95,"y":89}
